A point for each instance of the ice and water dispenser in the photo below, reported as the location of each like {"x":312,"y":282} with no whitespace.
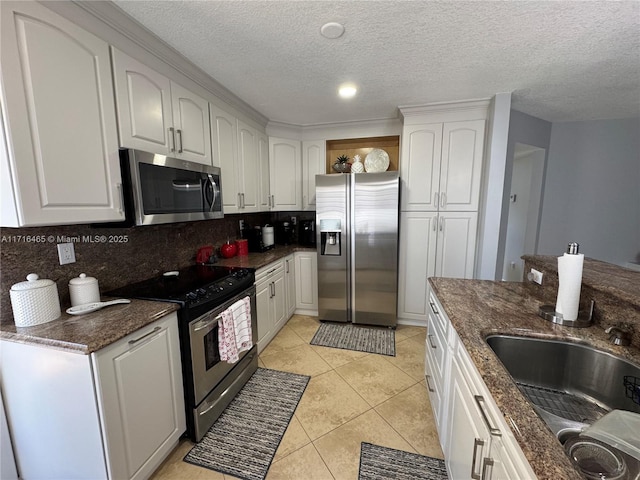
{"x":330,"y":237}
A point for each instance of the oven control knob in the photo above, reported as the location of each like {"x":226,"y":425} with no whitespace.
{"x":191,"y":296}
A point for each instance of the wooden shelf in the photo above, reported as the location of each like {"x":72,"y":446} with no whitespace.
{"x":362,"y":146}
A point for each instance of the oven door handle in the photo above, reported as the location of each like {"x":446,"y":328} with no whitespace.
{"x":204,"y":324}
{"x":212,"y":405}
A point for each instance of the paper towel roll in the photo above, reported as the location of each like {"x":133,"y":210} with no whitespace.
{"x":570,"y":280}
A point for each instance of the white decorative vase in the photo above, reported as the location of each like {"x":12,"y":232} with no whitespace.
{"x":357,"y":166}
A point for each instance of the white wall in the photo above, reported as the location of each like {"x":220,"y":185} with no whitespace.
{"x":592,"y":190}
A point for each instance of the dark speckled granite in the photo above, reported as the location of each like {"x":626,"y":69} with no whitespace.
{"x":259,"y":260}
{"x":85,"y":334}
{"x":479,"y":308}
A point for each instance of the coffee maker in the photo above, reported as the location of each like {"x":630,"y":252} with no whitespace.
{"x":307,"y":233}
{"x":284,"y":233}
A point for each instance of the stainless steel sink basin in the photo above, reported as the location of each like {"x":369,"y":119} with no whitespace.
{"x":570,"y":385}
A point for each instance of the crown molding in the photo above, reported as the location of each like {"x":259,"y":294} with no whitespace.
{"x":115,"y":18}
{"x":446,"y":111}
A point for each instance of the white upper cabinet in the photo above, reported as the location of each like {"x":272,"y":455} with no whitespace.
{"x":157,"y":115}
{"x":240,"y":151}
{"x":461,"y":166}
{"x":60,"y":164}
{"x":286,"y":174}
{"x":264,"y":193}
{"x":313,"y":163}
{"x":248,"y":158}
{"x":441,"y":166}
{"x":420,"y":166}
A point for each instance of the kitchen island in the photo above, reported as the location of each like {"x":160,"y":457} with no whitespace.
{"x":477,"y":309}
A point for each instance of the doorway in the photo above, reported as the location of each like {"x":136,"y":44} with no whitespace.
{"x":524,"y":209}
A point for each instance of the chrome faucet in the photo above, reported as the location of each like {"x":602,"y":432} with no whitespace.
{"x":617,"y":336}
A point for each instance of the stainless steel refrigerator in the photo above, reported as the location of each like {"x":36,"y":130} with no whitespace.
{"x":357,"y":241}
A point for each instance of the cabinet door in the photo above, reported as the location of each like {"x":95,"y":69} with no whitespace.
{"x":139,"y":385}
{"x":224,"y":138}
{"x":264,"y":195}
{"x":263,"y":312}
{"x":417,"y":251}
{"x":462,"y":153}
{"x":290,"y":285}
{"x":286,"y":174}
{"x":313,"y":163}
{"x":467,"y":437}
{"x":307,"y":281}
{"x":248,"y":157}
{"x":420,"y":166}
{"x":143,"y":101}
{"x":456,"y":244}
{"x":60,"y":120}
{"x":279,"y":300}
{"x":191,"y":122}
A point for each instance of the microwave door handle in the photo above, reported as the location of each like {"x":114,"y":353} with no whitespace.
{"x":214,"y":191}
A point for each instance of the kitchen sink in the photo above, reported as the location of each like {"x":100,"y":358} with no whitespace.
{"x":570,"y":385}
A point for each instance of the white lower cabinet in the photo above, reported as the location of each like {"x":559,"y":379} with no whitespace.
{"x":290,"y":284}
{"x":139,"y":381}
{"x":475,"y":439}
{"x":115,"y":414}
{"x":306,"y":283}
{"x":441,"y":244}
{"x":270,"y":302}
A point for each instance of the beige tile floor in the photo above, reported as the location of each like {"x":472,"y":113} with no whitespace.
{"x":352,"y":397}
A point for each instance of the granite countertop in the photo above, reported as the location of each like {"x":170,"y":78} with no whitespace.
{"x":259,"y":260}
{"x":478,"y":308}
{"x":85,"y":334}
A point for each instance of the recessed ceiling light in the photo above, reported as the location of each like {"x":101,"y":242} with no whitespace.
{"x":347,"y":90}
{"x":332,"y":30}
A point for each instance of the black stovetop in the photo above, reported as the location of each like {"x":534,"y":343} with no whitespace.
{"x":192,"y":286}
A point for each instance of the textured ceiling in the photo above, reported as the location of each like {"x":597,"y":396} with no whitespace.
{"x":562,"y":60}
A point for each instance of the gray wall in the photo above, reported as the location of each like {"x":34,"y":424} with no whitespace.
{"x":527,"y":130}
{"x":592,"y":190}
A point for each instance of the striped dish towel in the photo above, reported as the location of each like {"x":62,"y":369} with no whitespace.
{"x":234,"y":330}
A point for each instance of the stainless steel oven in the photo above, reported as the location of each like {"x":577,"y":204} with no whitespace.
{"x":203,"y":293}
{"x":211,"y":393}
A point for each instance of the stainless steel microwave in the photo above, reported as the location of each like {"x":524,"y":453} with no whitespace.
{"x":159,"y":189}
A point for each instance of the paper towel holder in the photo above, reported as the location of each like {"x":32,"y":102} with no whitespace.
{"x":548,"y":312}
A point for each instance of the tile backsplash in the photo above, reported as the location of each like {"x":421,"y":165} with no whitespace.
{"x":115,"y":256}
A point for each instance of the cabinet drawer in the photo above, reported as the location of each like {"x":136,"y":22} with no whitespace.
{"x":435,"y":391}
{"x":436,"y":350}
{"x":436,"y":311}
{"x":269,"y":271}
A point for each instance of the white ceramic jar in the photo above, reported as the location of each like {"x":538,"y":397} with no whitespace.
{"x":83,"y":290}
{"x":34,"y":301}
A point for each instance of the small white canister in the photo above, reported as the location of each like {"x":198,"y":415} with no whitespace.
{"x":34,"y":301}
{"x":83,"y":290}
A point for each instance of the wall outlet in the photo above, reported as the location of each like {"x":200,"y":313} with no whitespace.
{"x":241,"y":223}
{"x":66,"y":253}
{"x":294,"y":220}
{"x":535,"y":276}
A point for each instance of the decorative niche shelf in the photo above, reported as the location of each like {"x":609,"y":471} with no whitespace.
{"x":362,"y":146}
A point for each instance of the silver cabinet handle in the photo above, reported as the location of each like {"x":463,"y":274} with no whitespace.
{"x":441,"y":223}
{"x":271,"y":271}
{"x":427,"y":377}
{"x":287,"y":263}
{"x":121,"y":195}
{"x":436,"y":199}
{"x":429,"y":337}
{"x":435,"y":224}
{"x":239,"y":200}
{"x":492,"y":430}
{"x":273,"y":201}
{"x":476,"y":443}
{"x":433,"y":308}
{"x":443,"y":199}
{"x":152,"y":332}
{"x":487,"y":462}
{"x":172,"y":139}
{"x":179,"y":136}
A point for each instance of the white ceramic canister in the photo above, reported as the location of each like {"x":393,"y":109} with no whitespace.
{"x":84,"y":290}
{"x":34,"y":301}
